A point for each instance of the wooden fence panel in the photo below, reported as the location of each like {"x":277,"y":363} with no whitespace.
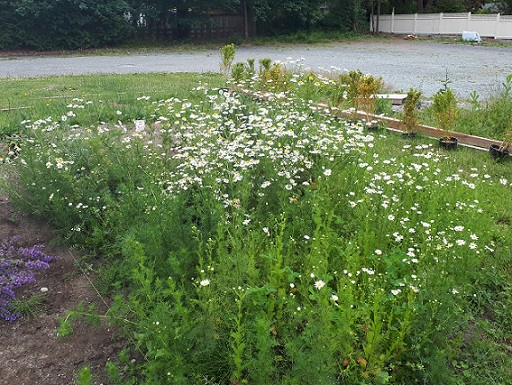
{"x":216,"y":27}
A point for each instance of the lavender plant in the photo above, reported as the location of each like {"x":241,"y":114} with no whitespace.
{"x":17,"y":266}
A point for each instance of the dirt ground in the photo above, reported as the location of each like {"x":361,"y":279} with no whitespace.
{"x":31,"y":352}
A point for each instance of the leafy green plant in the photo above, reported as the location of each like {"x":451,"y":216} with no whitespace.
{"x":250,"y":66}
{"x":506,"y":140}
{"x":265,"y":64}
{"x":30,"y":306}
{"x":243,"y":71}
{"x":122,"y":371}
{"x":495,"y":117}
{"x":90,"y":315}
{"x":84,"y":376}
{"x":227,"y":55}
{"x":239,"y":72}
{"x":10,"y":146}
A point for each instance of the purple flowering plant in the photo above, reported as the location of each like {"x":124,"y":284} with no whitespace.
{"x":17,"y":266}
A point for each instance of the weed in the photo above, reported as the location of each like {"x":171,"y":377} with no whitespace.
{"x":84,"y":376}
{"x":29,"y":307}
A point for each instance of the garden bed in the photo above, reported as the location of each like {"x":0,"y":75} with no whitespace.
{"x":270,"y":242}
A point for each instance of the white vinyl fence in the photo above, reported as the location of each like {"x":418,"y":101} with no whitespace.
{"x":491,"y":25}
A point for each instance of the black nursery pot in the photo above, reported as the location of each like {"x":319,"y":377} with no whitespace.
{"x":372,"y":126}
{"x":410,"y":135}
{"x":448,"y":143}
{"x":497,"y":153}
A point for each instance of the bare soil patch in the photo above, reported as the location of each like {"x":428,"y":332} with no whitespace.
{"x":31,"y":352}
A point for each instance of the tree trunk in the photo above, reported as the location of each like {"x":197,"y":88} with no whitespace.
{"x":378,"y":16}
{"x":423,"y":4}
{"x":182,"y":28}
{"x":246,"y":20}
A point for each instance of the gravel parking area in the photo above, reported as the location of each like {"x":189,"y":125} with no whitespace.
{"x":421,"y":63}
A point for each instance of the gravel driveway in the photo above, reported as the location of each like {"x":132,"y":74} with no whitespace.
{"x":401,"y":63}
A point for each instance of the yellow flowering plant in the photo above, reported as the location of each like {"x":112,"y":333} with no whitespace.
{"x":410,"y":115}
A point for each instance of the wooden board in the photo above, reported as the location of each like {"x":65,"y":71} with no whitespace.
{"x":396,"y":125}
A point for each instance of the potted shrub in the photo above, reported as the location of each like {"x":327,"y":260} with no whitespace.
{"x":369,"y":86}
{"x":500,"y":151}
{"x":353,"y":92}
{"x":445,"y":111}
{"x":410,"y":118}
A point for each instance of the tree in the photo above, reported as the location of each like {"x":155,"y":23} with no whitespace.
{"x":412,"y":6}
{"x":473,"y":5}
{"x":273,"y":17}
{"x":346,"y":15}
{"x":181,"y":16}
{"x":10,"y":35}
{"x":375,"y":7}
{"x":71,"y":24}
{"x":506,"y":6}
{"x":447,"y":6}
{"x":404,"y":6}
{"x":423,"y":4}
